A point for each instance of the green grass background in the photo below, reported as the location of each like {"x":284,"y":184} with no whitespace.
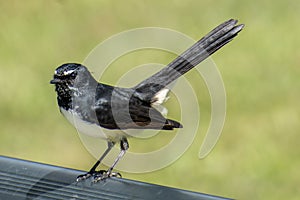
{"x":257,"y":156}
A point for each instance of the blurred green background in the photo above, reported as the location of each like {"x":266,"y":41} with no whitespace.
{"x":257,"y":156}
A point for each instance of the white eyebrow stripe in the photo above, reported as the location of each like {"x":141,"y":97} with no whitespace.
{"x":69,"y":72}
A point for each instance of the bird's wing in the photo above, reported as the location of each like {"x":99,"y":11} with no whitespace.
{"x":123,"y":115}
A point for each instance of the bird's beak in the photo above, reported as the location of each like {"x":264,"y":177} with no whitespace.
{"x":55,"y":81}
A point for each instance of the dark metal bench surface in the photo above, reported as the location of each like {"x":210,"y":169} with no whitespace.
{"x":20,"y":179}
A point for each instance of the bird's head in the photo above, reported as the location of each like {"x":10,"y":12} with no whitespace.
{"x":72,"y":75}
{"x":72,"y":79}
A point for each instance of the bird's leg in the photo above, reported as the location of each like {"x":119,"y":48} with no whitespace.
{"x":93,"y":169}
{"x":124,"y":147}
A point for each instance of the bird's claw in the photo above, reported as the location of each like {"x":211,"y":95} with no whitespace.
{"x":105,"y":174}
{"x":98,"y":175}
{"x":84,"y":176}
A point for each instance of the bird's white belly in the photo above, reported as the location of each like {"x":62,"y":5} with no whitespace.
{"x":91,"y":129}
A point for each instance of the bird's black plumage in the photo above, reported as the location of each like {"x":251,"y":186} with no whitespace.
{"x":110,"y":107}
{"x":96,"y":102}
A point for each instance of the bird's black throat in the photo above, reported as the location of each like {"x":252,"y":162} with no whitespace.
{"x":64,"y":96}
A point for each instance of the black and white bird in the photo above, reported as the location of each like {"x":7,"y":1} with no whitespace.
{"x":96,"y":105}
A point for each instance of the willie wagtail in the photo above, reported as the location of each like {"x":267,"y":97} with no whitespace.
{"x":93,"y":105}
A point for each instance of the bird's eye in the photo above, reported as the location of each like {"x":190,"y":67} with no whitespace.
{"x":73,"y":75}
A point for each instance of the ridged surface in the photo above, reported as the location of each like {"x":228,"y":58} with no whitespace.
{"x":21,"y":179}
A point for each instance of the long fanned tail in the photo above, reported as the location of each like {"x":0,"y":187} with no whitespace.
{"x":202,"y":49}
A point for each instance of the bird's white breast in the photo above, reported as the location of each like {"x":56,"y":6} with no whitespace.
{"x":90,"y":129}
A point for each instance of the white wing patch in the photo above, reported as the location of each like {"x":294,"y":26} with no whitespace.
{"x":160,"y":97}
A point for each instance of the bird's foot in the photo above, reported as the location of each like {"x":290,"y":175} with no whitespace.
{"x":84,"y":176}
{"x":98,"y":175}
{"x":102,"y":175}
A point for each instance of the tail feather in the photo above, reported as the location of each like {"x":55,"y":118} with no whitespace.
{"x":202,"y":49}
{"x":171,"y":124}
